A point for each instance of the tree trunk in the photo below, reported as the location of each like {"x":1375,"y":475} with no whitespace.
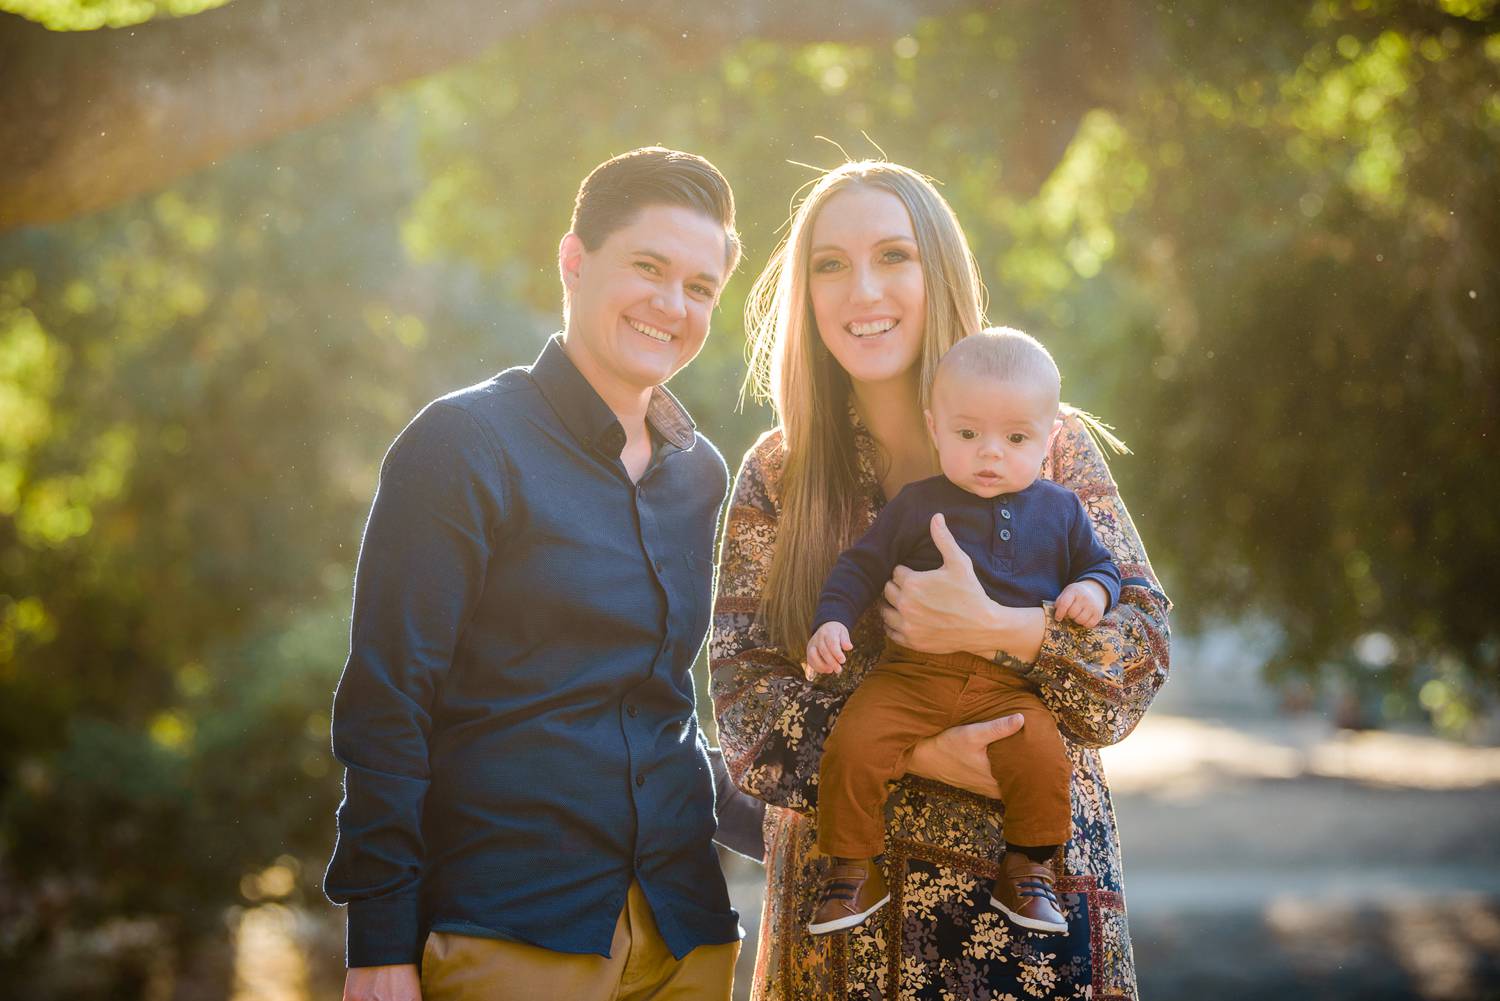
{"x":89,"y":119}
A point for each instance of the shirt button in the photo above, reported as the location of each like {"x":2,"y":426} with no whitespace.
{"x":640,"y":863}
{"x":1005,"y":513}
{"x":632,"y":711}
{"x":640,"y":780}
{"x":1005,"y":534}
{"x":656,"y":565}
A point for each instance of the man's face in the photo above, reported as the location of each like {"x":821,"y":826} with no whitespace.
{"x":639,"y":304}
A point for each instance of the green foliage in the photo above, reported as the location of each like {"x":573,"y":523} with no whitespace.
{"x":86,"y":15}
{"x":196,"y":391}
{"x":1270,"y":264}
{"x":1266,"y":254}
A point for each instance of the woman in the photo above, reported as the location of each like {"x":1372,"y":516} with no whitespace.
{"x":873,"y":283}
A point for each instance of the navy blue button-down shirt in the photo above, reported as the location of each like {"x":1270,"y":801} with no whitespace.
{"x":517,"y":718}
{"x":1026,"y":546}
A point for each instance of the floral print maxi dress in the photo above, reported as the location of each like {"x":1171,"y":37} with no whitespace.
{"x":939,"y":938}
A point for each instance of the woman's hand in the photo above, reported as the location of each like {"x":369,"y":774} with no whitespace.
{"x":957,"y":756}
{"x":946,"y":610}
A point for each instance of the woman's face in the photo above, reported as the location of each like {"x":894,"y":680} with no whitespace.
{"x":865,"y":281}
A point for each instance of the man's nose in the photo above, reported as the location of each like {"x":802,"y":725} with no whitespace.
{"x":670,"y":302}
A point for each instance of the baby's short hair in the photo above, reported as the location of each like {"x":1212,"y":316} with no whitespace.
{"x":1002,"y":353}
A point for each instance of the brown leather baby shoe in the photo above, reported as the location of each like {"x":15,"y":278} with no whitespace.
{"x":853,"y":889}
{"x":1025,"y":893}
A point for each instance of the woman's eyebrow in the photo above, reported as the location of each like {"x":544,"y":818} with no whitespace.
{"x":899,"y":238}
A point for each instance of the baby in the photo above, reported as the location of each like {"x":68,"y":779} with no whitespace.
{"x":994,"y":413}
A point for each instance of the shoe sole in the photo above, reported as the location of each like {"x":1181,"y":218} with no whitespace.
{"x":839,"y":924}
{"x":1033,"y":924}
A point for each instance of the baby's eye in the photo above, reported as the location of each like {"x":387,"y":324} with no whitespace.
{"x":968,"y":434}
{"x":1017,"y":438}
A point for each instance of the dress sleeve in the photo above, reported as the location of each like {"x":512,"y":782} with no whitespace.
{"x":772,"y":723}
{"x":1087,"y":557}
{"x":1099,"y":682}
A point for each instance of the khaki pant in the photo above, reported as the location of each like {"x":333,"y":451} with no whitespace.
{"x":908,"y":696}
{"x":640,"y":967}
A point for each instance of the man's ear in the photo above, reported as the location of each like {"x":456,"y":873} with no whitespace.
{"x":570,"y":259}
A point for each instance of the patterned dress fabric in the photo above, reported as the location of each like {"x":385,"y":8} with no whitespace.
{"x":939,"y":939}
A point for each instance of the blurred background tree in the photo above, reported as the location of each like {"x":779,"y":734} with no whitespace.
{"x":1263,"y":246}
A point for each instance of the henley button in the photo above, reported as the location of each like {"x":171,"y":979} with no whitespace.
{"x":657,"y":565}
{"x":639,"y":862}
{"x":1005,"y":513}
{"x":631,"y":711}
{"x":1005,"y":534}
{"x":640,"y":780}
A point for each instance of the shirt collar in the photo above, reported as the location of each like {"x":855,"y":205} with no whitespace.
{"x":589,"y":419}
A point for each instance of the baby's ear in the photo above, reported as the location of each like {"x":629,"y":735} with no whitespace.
{"x":931,"y":424}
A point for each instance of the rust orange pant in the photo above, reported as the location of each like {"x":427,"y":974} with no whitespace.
{"x":908,"y":696}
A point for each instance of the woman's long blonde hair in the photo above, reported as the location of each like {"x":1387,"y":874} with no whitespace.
{"x":790,"y":367}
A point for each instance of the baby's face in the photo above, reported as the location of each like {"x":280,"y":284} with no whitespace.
{"x":991,"y":436}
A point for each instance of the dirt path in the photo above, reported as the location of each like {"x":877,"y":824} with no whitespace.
{"x":1285,"y":859}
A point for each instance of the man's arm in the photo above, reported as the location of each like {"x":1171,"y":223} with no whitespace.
{"x":421,"y":569}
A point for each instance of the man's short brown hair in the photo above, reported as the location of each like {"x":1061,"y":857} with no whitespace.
{"x":620,"y":187}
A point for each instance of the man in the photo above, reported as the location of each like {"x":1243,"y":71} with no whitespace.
{"x":527,"y":804}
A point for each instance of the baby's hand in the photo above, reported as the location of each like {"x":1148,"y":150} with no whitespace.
{"x":825,"y":651}
{"x":1082,"y":601}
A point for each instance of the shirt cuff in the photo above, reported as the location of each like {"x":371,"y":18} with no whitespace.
{"x":383,"y":931}
{"x":832,"y":611}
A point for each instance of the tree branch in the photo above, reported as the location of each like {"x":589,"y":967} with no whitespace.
{"x":90,"y":119}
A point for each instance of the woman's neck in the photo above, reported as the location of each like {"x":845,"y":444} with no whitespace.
{"x":892,"y":413}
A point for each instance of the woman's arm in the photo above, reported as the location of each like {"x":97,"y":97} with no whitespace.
{"x":772,"y":723}
{"x":1097,"y":681}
